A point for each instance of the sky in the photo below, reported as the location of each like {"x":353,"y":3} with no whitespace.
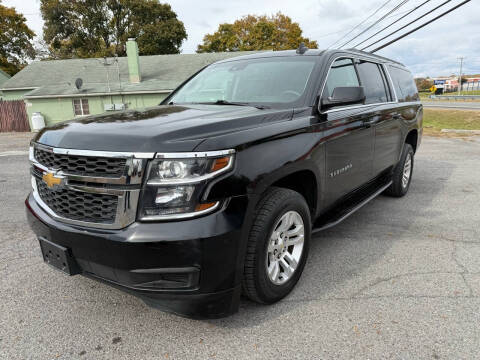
{"x":432,"y":51}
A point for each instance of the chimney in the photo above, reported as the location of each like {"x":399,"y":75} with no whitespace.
{"x":133,"y":61}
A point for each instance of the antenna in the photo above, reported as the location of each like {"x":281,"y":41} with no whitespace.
{"x":106,"y":64}
{"x":302,"y":49}
{"x":118,"y":73}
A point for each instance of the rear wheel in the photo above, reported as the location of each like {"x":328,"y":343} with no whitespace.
{"x":402,"y":174}
{"x":277,"y":247}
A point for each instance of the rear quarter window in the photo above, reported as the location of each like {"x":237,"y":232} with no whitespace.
{"x":404,"y":85}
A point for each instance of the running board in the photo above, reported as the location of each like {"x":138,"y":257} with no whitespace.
{"x":350,"y":206}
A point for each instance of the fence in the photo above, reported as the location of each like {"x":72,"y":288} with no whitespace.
{"x":13,"y":116}
{"x":467,"y":86}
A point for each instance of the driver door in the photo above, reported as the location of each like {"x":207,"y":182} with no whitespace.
{"x":349,"y":147}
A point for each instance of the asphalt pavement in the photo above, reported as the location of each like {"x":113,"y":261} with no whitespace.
{"x":458,"y":105}
{"x":399,"y":279}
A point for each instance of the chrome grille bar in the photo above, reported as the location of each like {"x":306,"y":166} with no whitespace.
{"x":125,"y":187}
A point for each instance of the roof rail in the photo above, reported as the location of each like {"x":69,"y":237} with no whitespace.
{"x":366,"y":53}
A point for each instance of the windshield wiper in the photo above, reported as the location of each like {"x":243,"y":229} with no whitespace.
{"x":226,"y":102}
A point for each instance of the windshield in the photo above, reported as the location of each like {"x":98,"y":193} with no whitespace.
{"x":270,"y":81}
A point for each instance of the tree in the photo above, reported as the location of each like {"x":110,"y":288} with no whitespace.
{"x":253,"y":32}
{"x":15,"y":40}
{"x":424,"y":84}
{"x":92,"y":28}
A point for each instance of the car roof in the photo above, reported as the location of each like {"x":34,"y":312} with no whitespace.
{"x":312,"y":52}
{"x":271,"y":53}
{"x":374,"y":56}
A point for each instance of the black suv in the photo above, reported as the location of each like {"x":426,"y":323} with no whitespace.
{"x":217,"y":192}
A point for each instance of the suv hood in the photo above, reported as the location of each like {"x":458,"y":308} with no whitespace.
{"x":165,"y":128}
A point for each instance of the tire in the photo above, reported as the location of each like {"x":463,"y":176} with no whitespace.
{"x":400,"y":185}
{"x":273,"y":214}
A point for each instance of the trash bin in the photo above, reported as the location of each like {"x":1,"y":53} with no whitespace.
{"x":38,"y":121}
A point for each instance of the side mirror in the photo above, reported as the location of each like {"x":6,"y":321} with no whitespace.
{"x":344,"y":95}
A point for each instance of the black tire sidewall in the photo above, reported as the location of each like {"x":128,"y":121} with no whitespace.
{"x":407,"y":150}
{"x":268,"y":291}
{"x":397,"y":189}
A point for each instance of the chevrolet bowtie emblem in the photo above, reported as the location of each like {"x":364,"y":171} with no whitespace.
{"x":51,"y":180}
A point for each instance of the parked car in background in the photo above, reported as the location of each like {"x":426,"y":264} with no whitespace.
{"x":217,"y":191}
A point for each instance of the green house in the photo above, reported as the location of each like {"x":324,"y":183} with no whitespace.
{"x":3,"y":79}
{"x":64,"y":89}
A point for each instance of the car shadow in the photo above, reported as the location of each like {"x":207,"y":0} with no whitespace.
{"x":342,"y":253}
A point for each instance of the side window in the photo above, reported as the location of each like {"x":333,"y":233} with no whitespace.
{"x":80,"y":107}
{"x":342,"y":73}
{"x":372,"y":80}
{"x":404,"y":85}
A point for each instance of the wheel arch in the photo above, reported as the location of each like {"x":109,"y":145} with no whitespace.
{"x":412,"y":139}
{"x":303,"y":181}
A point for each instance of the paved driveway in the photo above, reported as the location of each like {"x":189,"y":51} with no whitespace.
{"x":399,"y":279}
{"x":452,"y":105}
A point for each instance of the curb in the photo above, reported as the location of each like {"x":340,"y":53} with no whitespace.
{"x":458,"y":131}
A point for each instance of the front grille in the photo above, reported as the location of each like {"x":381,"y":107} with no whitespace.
{"x":80,"y":206}
{"x":81,"y":165}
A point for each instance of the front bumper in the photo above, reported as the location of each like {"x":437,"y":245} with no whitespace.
{"x":190,"y":267}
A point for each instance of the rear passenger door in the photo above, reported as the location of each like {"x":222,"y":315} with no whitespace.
{"x":408,"y":102}
{"x":384,"y":117}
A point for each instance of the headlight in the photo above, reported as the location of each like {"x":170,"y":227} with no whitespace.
{"x":176,"y":182}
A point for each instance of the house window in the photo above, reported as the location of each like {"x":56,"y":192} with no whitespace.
{"x":80,"y":107}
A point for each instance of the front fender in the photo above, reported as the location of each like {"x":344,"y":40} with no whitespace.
{"x":261,"y":164}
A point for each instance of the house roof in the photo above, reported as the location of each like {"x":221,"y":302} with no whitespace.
{"x":3,"y":77}
{"x":159,"y":73}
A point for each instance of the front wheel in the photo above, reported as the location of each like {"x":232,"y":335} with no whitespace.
{"x":277,"y":247}
{"x":402,"y":174}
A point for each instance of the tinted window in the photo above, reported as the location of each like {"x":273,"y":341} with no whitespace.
{"x":372,"y":81}
{"x":403,"y":84}
{"x":276,"y":80}
{"x":342,"y":73}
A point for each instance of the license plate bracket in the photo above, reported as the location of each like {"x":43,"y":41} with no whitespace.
{"x":59,"y":257}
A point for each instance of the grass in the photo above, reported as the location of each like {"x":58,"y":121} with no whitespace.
{"x":436,"y":120}
{"x":424,"y":95}
{"x":469,"y":92}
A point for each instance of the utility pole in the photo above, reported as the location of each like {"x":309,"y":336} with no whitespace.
{"x":460,"y":74}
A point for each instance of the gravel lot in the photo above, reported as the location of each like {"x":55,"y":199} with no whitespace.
{"x":399,"y":279}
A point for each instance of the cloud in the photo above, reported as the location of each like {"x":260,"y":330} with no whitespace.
{"x":203,"y":24}
{"x":430,"y":51}
{"x":340,"y":8}
{"x":434,"y":50}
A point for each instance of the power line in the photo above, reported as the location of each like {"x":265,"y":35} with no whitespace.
{"x":419,"y":27}
{"x":393,"y":23}
{"x":341,"y":31}
{"x":410,"y":23}
{"x":376,"y":22}
{"x":361,"y":23}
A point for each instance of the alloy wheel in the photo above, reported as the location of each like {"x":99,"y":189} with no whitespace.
{"x":407,"y":170}
{"x":285,"y":247}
